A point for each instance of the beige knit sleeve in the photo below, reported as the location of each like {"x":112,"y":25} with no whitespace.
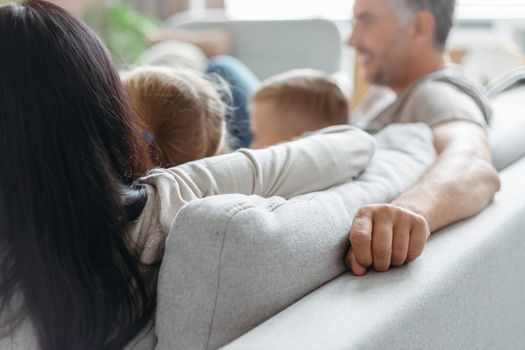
{"x":308,"y":164}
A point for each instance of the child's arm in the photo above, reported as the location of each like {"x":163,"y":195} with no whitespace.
{"x":305,"y":165}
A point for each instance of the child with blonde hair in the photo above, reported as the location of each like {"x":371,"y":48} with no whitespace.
{"x":181,"y":113}
{"x":293,"y":103}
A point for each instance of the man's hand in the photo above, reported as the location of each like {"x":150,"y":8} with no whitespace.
{"x":385,"y":235}
{"x":459,"y":184}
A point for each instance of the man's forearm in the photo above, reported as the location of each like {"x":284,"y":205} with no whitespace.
{"x":456,"y":187}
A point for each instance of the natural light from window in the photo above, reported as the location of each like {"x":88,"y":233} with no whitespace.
{"x":341,"y":9}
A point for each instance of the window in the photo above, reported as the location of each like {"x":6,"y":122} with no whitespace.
{"x":342,"y":9}
{"x":288,"y":9}
{"x":491,"y":9}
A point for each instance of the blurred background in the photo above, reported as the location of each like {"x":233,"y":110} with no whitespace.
{"x":488,"y":39}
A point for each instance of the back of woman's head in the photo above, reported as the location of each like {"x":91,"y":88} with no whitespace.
{"x":180,"y":110}
{"x":67,"y":150}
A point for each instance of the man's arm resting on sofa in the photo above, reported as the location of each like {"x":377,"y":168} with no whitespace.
{"x":459,"y":184}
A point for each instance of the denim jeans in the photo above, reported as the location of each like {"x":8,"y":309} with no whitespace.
{"x":242,"y":83}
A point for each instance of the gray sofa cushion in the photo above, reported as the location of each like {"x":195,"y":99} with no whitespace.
{"x":507,"y":129}
{"x":233,"y":261}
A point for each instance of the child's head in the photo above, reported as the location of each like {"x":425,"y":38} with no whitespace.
{"x":181,"y":113}
{"x":292,"y":103}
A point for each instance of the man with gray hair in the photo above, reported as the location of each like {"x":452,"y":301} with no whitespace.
{"x":400,"y":45}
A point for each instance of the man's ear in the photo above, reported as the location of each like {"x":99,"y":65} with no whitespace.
{"x":423,"y":25}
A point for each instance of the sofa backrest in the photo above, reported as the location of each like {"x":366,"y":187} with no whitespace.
{"x":467,"y":291}
{"x":272,"y":47}
{"x":507,"y":129}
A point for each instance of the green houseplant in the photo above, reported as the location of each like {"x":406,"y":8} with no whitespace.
{"x":122,"y":27}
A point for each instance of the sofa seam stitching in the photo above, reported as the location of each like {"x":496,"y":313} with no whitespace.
{"x":238,"y":208}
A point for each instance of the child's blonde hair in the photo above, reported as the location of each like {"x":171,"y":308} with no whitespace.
{"x":181,"y":112}
{"x":311,"y":93}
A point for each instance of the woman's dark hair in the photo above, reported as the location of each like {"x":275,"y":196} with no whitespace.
{"x":68,"y":153}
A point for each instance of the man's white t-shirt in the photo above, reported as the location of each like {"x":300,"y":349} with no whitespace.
{"x":441,"y":96}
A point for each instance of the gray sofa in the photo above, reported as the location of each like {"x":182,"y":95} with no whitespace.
{"x":242,"y":272}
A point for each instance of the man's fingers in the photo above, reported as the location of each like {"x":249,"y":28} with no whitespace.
{"x":356,"y":268}
{"x":400,"y":242}
{"x":382,"y":240}
{"x":418,"y":237}
{"x":361,"y":237}
{"x":385,"y":235}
